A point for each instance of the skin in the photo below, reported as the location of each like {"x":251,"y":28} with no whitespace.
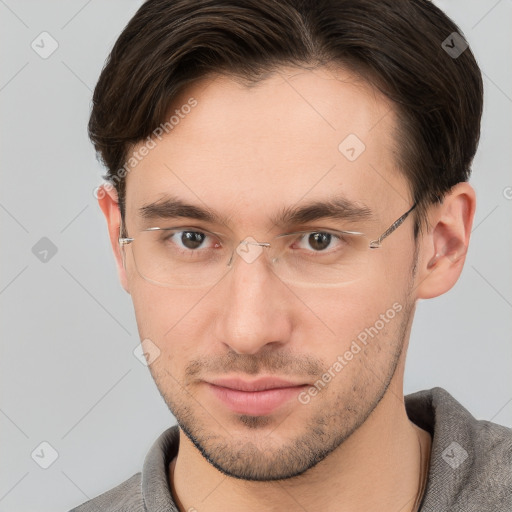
{"x":246,"y":152}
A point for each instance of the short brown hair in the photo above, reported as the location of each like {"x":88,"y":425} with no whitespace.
{"x":396,"y":45}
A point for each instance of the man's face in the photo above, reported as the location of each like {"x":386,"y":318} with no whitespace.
{"x":247,"y":153}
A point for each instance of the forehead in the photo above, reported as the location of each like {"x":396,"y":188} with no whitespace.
{"x":248,"y":151}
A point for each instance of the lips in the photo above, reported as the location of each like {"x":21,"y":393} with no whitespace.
{"x":256,"y":398}
{"x":260,"y":384}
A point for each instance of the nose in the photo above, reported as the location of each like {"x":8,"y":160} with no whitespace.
{"x":255,"y":307}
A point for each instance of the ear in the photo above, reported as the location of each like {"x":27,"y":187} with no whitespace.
{"x":109,"y":204}
{"x":444,"y":247}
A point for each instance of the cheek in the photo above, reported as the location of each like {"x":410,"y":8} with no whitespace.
{"x":341,"y":311}
{"x":397,"y":264}
{"x":168,"y":318}
{"x":360,"y":320}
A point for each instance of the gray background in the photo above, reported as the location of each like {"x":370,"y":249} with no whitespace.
{"x":68,"y":373}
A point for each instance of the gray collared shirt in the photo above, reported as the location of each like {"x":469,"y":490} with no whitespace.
{"x":470,"y":464}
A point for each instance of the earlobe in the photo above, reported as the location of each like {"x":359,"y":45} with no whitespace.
{"x":444,"y":247}
{"x":109,"y":204}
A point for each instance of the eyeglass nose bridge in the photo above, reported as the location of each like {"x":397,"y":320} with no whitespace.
{"x":246,"y":242}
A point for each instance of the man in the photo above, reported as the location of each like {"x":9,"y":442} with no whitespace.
{"x":286,"y":180}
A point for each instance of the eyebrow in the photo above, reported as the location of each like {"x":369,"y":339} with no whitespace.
{"x":336,"y":208}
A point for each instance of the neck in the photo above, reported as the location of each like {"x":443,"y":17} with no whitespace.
{"x":377,"y":468}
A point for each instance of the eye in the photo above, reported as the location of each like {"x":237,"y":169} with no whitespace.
{"x":319,"y":241}
{"x":189,"y":240}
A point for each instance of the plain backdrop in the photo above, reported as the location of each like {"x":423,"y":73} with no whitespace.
{"x":69,"y":376}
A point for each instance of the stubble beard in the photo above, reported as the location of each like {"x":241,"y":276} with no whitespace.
{"x":264,"y":457}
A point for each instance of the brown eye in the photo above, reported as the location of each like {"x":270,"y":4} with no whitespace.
{"x":192,"y":239}
{"x":319,"y":241}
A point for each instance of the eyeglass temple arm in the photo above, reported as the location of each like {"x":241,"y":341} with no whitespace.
{"x":375,"y":244}
{"x":123,"y":240}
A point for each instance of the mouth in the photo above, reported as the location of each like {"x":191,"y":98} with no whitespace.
{"x":255,"y":398}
